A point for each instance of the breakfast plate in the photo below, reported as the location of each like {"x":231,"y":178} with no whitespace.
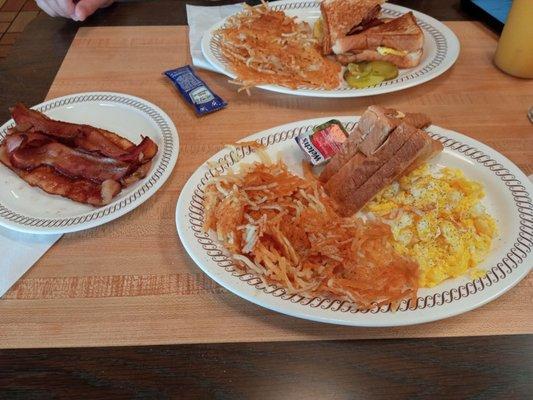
{"x":508,"y":200}
{"x":441,"y":49}
{"x":29,"y":209}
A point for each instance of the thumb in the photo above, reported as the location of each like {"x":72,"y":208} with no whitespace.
{"x":85,"y":8}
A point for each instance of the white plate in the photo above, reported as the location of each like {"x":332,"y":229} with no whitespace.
{"x":29,"y":209}
{"x":508,"y":200}
{"x":441,"y":49}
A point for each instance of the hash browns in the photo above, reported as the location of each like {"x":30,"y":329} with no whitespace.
{"x":285,"y":229}
{"x":264,"y":46}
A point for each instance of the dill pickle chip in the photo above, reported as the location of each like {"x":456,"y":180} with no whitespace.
{"x":361,"y":82}
{"x":359,"y":69}
{"x":383,"y":68}
{"x":318,"y":29}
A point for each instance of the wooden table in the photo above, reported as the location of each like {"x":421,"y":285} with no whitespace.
{"x":485,"y":367}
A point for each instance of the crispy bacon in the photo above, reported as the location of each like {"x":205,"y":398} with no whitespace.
{"x":83,"y":136}
{"x":28,"y":118}
{"x":69,"y":162}
{"x":143,"y":152}
{"x":139,"y":173}
{"x":80,"y":190}
{"x":83,"y":163}
{"x":365,"y":25}
{"x":14,"y":141}
{"x":370,"y":20}
{"x":94,"y":141}
{"x":18,"y":140}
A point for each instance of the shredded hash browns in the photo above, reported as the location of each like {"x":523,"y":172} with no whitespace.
{"x":284,"y":228}
{"x":264,"y":46}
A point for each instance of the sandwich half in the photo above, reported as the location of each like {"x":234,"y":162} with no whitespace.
{"x":344,"y":17}
{"x":399,"y":41}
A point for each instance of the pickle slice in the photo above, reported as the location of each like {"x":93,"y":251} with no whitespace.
{"x":365,"y":74}
{"x":383,"y":68}
{"x":361,"y":82}
{"x":359,"y":69}
{"x":318,"y":30}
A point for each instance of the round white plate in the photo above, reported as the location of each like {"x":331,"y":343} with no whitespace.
{"x":441,"y":49}
{"x":29,"y":209}
{"x":508,"y":200}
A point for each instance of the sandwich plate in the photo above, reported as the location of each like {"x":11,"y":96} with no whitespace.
{"x":28,"y":209}
{"x":508,"y":200}
{"x":441,"y":49}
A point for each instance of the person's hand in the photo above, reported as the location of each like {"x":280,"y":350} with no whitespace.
{"x":69,"y":9}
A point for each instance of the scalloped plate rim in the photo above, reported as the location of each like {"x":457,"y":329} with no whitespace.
{"x":398,"y":318}
{"x":451,"y":57}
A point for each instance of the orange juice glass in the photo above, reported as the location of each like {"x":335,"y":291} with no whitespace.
{"x":514,"y":54}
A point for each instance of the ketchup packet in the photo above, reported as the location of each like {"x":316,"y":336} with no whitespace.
{"x":324,"y":141}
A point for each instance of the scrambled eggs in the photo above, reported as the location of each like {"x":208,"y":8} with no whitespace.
{"x":389,"y":50}
{"x":438,"y":220}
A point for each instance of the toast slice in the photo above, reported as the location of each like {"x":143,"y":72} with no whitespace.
{"x":378,"y":122}
{"x":341,"y":17}
{"x":416,"y":149}
{"x":344,"y":186}
{"x":373,"y":128}
{"x":401,"y":34}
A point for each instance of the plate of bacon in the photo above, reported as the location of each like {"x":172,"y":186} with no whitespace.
{"x":82,"y":160}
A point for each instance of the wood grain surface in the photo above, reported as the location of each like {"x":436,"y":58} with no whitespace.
{"x":422,"y":369}
{"x":130,"y":282}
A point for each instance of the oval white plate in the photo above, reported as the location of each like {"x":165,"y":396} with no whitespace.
{"x":441,"y":49}
{"x":508,"y":199}
{"x":29,"y":209}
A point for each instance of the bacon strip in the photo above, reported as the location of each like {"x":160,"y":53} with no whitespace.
{"x":30,"y":118}
{"x":17,"y":140}
{"x":83,"y":163}
{"x":69,"y":162}
{"x":369,"y":23}
{"x":80,"y":190}
{"x":371,"y":19}
{"x":85,"y":137}
{"x":143,"y":152}
{"x":92,"y":140}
